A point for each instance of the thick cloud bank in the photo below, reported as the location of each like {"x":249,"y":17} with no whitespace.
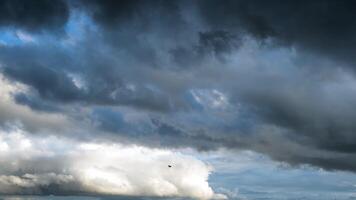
{"x":274,"y":77}
{"x":51,"y":165}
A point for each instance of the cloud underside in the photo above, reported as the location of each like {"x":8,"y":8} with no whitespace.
{"x":275,"y":77}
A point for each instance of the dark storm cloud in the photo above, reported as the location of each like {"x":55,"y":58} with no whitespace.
{"x":50,"y":77}
{"x":34,"y":16}
{"x":326,"y":27}
{"x":218,"y":42}
{"x":191,"y":71}
{"x":109,"y":13}
{"x":49,"y":83}
{"x":210,"y":44}
{"x":35,"y":103}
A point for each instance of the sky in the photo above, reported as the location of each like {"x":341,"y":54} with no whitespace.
{"x":244,"y":99}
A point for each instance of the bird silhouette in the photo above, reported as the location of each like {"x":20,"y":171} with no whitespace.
{"x":169,"y":166}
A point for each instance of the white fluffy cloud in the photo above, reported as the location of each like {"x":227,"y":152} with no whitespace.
{"x":34,"y":164}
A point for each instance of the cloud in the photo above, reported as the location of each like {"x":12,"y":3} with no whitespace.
{"x":53,"y":165}
{"x":34,"y":17}
{"x":328,"y":25}
{"x":254,"y":176}
{"x":193,"y":74}
{"x":12,"y":113}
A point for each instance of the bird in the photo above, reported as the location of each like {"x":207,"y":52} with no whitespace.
{"x":169,"y":166}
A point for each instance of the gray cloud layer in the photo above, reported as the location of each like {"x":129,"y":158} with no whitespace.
{"x":271,"y":76}
{"x":34,"y":16}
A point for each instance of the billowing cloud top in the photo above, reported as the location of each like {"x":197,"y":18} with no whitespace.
{"x":274,"y":77}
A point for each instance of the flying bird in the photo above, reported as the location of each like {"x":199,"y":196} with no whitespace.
{"x":169,"y":166}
